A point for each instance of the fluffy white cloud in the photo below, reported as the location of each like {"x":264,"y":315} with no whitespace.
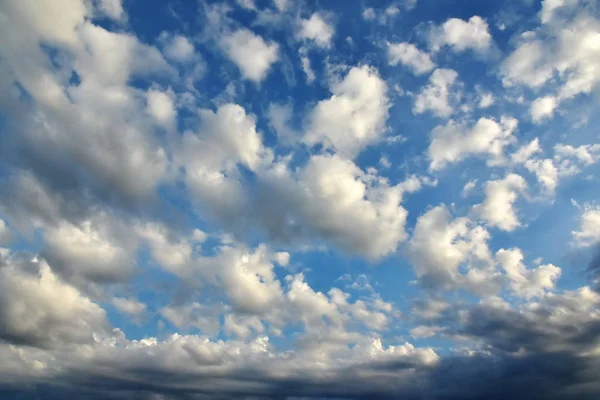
{"x":333,"y":198}
{"x":567,"y":51}
{"x":567,"y":161}
{"x":543,"y":108}
{"x":96,"y":249}
{"x":439,"y":95}
{"x":462,"y":35}
{"x":112,"y":8}
{"x":317,"y":29}
{"x":308,"y":71}
{"x":161,"y":107}
{"x":132,"y":307}
{"x":441,"y":244}
{"x":354,"y":116}
{"x":549,"y":8}
{"x":454,"y":141}
{"x":527,"y":283}
{"x":408,"y":54}
{"x":498,"y":206}
{"x":39,"y":309}
{"x":177,"y":47}
{"x":253,"y":56}
{"x":589,"y":230}
{"x":369,"y":14}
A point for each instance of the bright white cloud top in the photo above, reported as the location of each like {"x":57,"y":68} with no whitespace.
{"x":271,"y":199}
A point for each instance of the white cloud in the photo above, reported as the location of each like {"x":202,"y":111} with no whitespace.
{"x":498,"y":206}
{"x":132,"y":307}
{"x":354,"y":116}
{"x":441,"y":244}
{"x":112,"y":8}
{"x":350,"y":207}
{"x":462,"y":35}
{"x":587,"y":154}
{"x":253,"y":56}
{"x":527,"y":283}
{"x":543,"y":108}
{"x":408,"y":54}
{"x":248,"y":4}
{"x":161,"y":107}
{"x":486,"y":100}
{"x":545,"y":171}
{"x":172,"y":253}
{"x":567,"y":51}
{"x":549,"y":8}
{"x":369,"y":14}
{"x":439,"y":95}
{"x":454,"y":141}
{"x":37,"y":308}
{"x":589,"y":230}
{"x":317,"y":29}
{"x":281,"y":5}
{"x":424,"y":331}
{"x":95,"y":250}
{"x":177,"y":47}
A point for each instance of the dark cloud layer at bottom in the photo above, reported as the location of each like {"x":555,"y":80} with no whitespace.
{"x":541,"y":376}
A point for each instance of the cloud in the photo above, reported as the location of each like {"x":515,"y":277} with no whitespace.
{"x":409,"y":55}
{"x":455,"y":141}
{"x":161,"y":107}
{"x":316,"y":29}
{"x":527,"y":283}
{"x":171,"y":228}
{"x":354,"y":116}
{"x":129,"y":306}
{"x":112,"y":8}
{"x":441,"y":244}
{"x":6,"y":234}
{"x":39,"y":309}
{"x":462,"y":35}
{"x":542,"y":108}
{"x":498,"y":206}
{"x":253,"y":56}
{"x":177,"y":47}
{"x":564,"y":51}
{"x":92,"y":249}
{"x":589,"y":231}
{"x":440,"y":95}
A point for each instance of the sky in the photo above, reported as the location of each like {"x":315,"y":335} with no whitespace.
{"x":279,"y":199}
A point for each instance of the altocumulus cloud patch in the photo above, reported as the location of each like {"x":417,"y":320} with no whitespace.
{"x":271,"y":199}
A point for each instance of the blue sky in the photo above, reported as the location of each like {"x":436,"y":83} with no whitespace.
{"x":294,"y":199}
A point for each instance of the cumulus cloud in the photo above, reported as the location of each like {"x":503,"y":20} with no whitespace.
{"x":589,"y":230}
{"x":316,"y":29}
{"x":461,"y":35}
{"x":39,"y":309}
{"x":455,"y":141}
{"x":251,"y":53}
{"x":409,"y":55}
{"x":441,"y":244}
{"x":177,"y":47}
{"x":542,"y":108}
{"x":440,"y":95}
{"x":498,"y":206}
{"x":565,"y":50}
{"x":170,"y":227}
{"x":527,"y":283}
{"x":354,"y":116}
